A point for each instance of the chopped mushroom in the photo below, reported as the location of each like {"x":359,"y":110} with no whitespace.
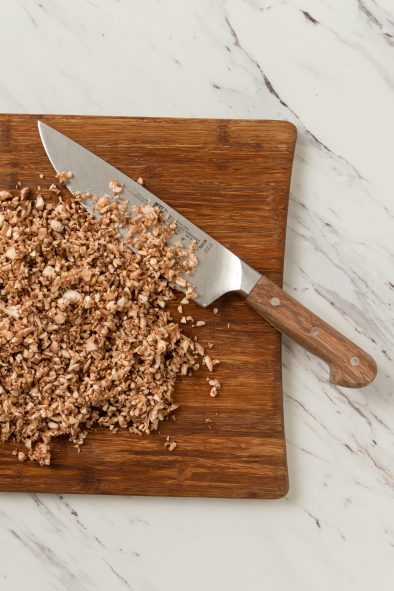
{"x":170,"y":445}
{"x":64,"y":177}
{"x":86,"y":337}
{"x":116,"y":187}
{"x":208,"y":362}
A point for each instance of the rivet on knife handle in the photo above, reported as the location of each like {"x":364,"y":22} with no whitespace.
{"x":349,"y":365}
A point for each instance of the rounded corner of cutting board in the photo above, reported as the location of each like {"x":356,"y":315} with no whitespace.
{"x":292,"y":129}
{"x":283,"y":490}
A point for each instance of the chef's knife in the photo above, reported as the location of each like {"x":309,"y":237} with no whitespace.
{"x":219,"y":270}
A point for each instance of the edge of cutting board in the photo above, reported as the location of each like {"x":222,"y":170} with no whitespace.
{"x":85,"y":479}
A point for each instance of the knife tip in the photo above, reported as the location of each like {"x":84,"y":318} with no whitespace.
{"x":43,"y":130}
{"x":41,"y":125}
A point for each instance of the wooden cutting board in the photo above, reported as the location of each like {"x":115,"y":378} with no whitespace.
{"x":232,"y":178}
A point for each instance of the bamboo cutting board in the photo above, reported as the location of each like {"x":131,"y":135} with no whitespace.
{"x":232,"y":179}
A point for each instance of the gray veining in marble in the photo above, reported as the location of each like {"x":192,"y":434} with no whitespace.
{"x":327,"y":66}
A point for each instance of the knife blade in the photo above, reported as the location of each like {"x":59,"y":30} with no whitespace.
{"x":219,"y":270}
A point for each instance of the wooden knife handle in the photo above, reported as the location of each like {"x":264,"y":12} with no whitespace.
{"x":349,"y":365}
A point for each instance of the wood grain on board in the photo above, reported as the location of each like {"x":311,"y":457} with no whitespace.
{"x":232,"y":178}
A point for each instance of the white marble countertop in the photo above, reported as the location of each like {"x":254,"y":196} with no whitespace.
{"x":328,"y":67}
